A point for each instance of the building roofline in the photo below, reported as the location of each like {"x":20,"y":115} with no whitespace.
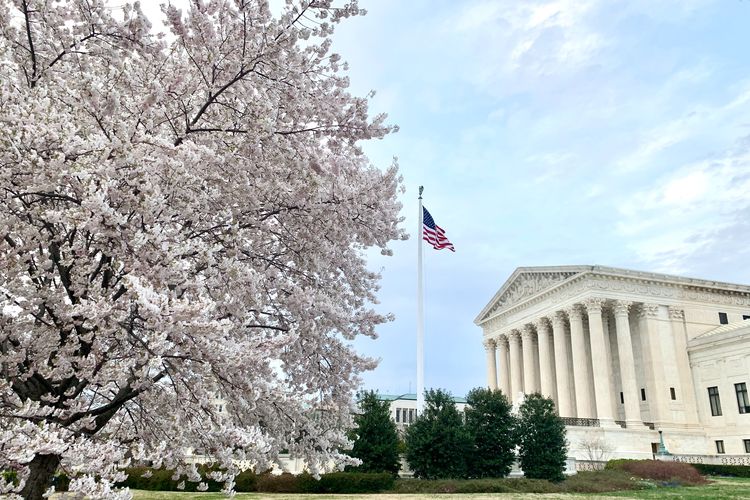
{"x":606,"y":271}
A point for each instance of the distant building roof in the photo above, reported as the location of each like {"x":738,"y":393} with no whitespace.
{"x":410,"y":397}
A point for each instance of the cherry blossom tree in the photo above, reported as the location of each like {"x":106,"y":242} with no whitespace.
{"x":183,"y":219}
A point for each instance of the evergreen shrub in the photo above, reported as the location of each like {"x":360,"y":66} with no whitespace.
{"x":723,"y":470}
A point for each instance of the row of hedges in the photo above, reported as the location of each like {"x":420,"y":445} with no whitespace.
{"x":247,"y":481}
{"x":723,"y":470}
{"x":657,"y":470}
{"x":354,"y":483}
{"x":583,"y":482}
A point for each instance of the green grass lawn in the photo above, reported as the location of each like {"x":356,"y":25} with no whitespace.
{"x":718,"y":488}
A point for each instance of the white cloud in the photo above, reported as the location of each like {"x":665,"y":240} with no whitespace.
{"x":688,"y":211}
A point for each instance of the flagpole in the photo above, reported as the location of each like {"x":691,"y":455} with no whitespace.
{"x":420,"y":311}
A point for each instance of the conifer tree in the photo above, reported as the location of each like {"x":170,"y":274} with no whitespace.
{"x":375,"y":436}
{"x":541,"y":439}
{"x":491,"y":428}
{"x":437,"y":444}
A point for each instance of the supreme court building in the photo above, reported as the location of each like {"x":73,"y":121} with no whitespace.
{"x":625,"y":354}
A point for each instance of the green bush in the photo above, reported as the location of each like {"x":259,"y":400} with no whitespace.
{"x":375,"y":437}
{"x":282,"y":483}
{"x":246,"y":482}
{"x":161,"y":480}
{"x":353,"y":482}
{"x":336,"y":482}
{"x":723,"y":470}
{"x":10,"y":476}
{"x":658,"y":470}
{"x":600,"y":481}
{"x":437,"y":443}
{"x":542,"y":448}
{"x":61,"y":482}
{"x":491,"y":428}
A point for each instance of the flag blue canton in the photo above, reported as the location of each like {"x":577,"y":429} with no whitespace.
{"x":427,"y":219}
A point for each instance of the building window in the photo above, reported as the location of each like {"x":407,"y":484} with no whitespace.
{"x":643,"y":394}
{"x":742,"y":400}
{"x":713,"y":398}
{"x":747,"y":445}
{"x":622,"y":398}
{"x":672,"y":393}
{"x":411,"y":415}
{"x":398,"y":415}
{"x":720,"y":446}
{"x":723,"y":318}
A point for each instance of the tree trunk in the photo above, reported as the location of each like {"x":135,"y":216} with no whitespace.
{"x":42,"y":470}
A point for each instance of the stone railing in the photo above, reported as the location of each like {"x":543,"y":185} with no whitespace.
{"x":589,"y":465}
{"x":581,"y":422}
{"x":708,"y":459}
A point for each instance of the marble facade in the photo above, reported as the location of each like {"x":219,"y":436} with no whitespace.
{"x":624,"y":354}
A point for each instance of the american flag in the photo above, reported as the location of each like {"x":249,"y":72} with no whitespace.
{"x":434,"y":234}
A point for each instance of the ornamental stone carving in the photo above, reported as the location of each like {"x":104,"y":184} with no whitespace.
{"x":558,"y":320}
{"x":526,"y":285}
{"x":502,"y":341}
{"x":594,"y":304}
{"x":542,"y":325}
{"x":514,"y":336}
{"x":648,"y":310}
{"x":527,"y":333}
{"x":621,"y":307}
{"x":676,"y":313}
{"x":489,"y":344}
{"x":574,"y":312}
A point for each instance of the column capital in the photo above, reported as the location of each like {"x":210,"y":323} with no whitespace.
{"x":574,"y":311}
{"x":489,"y":344}
{"x":502,"y":340}
{"x":558,"y":320}
{"x":621,"y":307}
{"x":594,"y":304}
{"x":527,"y":332}
{"x":676,"y":312}
{"x":648,"y":310}
{"x":514,"y":336}
{"x":542,"y":325}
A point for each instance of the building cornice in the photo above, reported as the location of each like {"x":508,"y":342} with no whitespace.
{"x":620,"y":281}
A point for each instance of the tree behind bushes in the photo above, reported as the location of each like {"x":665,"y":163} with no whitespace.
{"x":491,"y":428}
{"x":375,"y":436}
{"x":437,"y":444}
{"x":541,"y":439}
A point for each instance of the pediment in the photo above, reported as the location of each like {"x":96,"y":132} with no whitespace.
{"x":525,"y":283}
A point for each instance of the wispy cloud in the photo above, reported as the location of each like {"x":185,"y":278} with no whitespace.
{"x":688,"y":210}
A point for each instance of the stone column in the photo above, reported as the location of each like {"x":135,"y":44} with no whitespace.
{"x":584,"y":408}
{"x":627,"y":364}
{"x":564,"y":402}
{"x":529,"y":373}
{"x":677,"y":318}
{"x":504,"y":375}
{"x":516,"y":381}
{"x":655,"y":387}
{"x":489,"y":347}
{"x":600,"y":362}
{"x":546,"y":381}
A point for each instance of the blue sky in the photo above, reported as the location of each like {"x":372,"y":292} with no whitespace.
{"x":549,"y":133}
